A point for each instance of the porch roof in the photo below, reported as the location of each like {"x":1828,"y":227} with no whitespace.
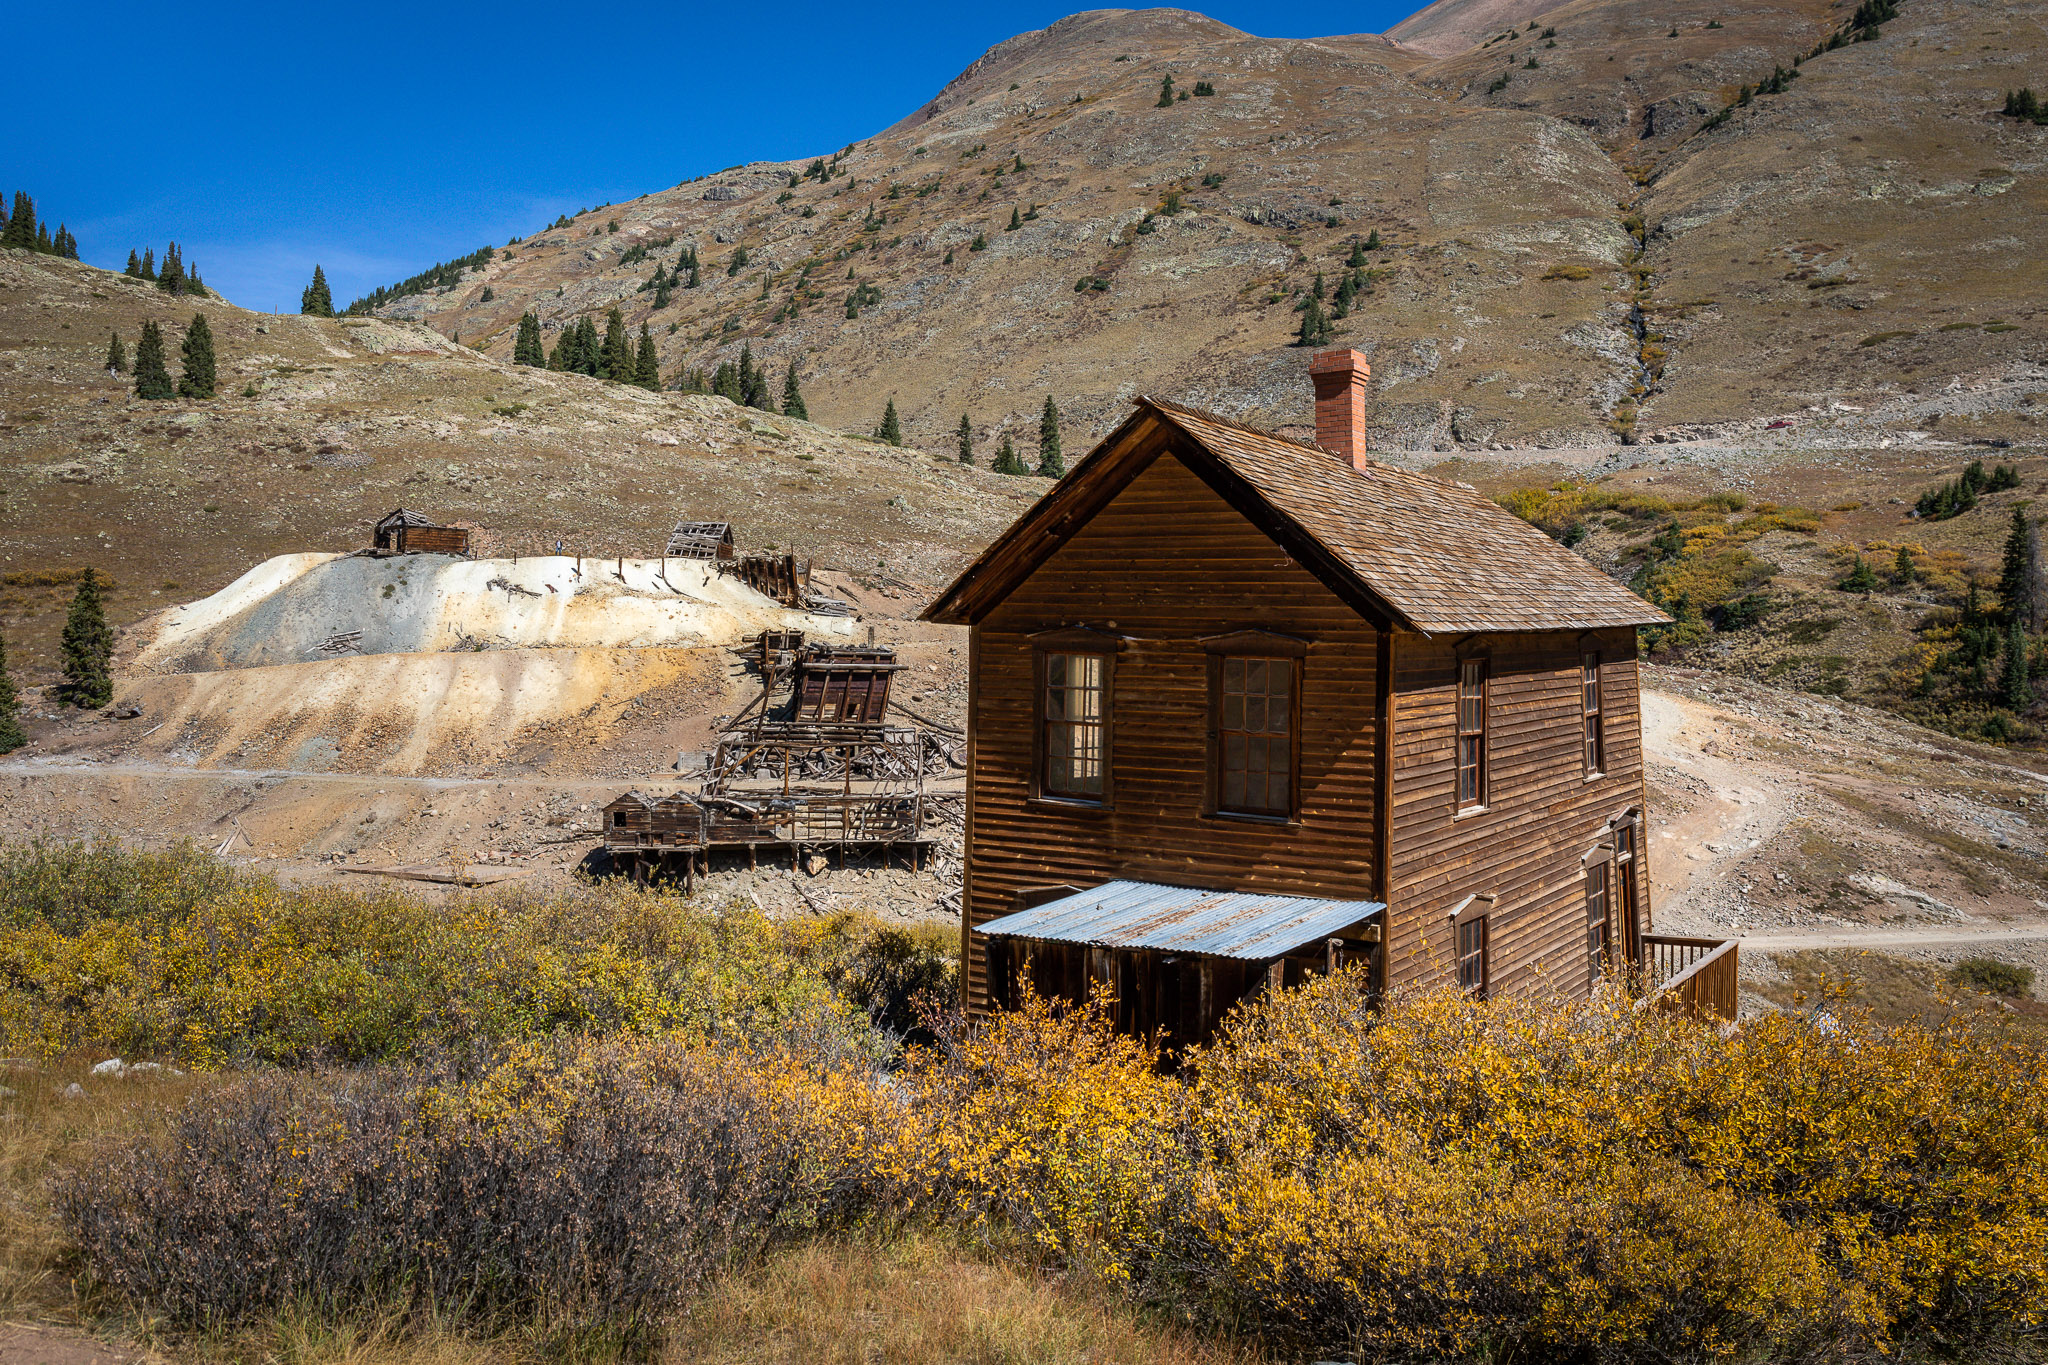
{"x":1179,"y":919}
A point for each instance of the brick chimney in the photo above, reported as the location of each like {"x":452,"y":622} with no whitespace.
{"x":1341,"y":379}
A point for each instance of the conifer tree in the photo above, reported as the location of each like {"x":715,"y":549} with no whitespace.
{"x":152,"y":376}
{"x":694,"y":277}
{"x":1347,"y":290}
{"x":560,"y":356}
{"x":1903,"y":567}
{"x":2017,"y":682}
{"x":170,"y":276}
{"x":1006,"y":458}
{"x":966,"y":440}
{"x":67,"y":245}
{"x":647,"y":363}
{"x":1315,"y":326}
{"x":194,"y":286}
{"x":149,"y":263}
{"x":1050,"y":462}
{"x":527,"y":348}
{"x":11,"y":736}
{"x":2016,"y":577}
{"x":21,"y":225}
{"x":792,"y":396}
{"x":589,"y":350}
{"x":1372,"y":243}
{"x":1016,"y":220}
{"x":1860,"y":578}
{"x":660,"y":292}
{"x":616,"y":362}
{"x":725,"y":381}
{"x":739,"y":259}
{"x":1165,"y":94}
{"x":88,"y":647}
{"x":117,"y":354}
{"x":43,"y":242}
{"x":891,"y":430}
{"x":134,"y":270}
{"x":316,"y":301}
{"x":199,"y":377}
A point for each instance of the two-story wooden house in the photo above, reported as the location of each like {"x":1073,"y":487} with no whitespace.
{"x":1242,"y":708}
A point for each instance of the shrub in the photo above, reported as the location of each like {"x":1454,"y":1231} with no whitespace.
{"x":1568,"y":272}
{"x":1995,"y":977}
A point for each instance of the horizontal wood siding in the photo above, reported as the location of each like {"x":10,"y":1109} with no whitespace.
{"x":1541,"y":812}
{"x":1168,"y":562}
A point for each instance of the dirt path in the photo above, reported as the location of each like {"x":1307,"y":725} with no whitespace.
{"x":1743,"y":808}
{"x":25,"y":1345}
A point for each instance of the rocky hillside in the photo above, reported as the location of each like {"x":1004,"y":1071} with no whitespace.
{"x":1575,"y":246}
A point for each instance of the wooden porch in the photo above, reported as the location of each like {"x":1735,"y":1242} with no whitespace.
{"x":1690,"y":975}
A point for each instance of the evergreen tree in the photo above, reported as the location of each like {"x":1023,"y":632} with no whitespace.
{"x":1050,"y":462}
{"x":88,"y":647}
{"x":134,"y":270}
{"x":2017,"y":685}
{"x":1006,"y":458}
{"x":152,"y":376}
{"x":560,"y":357}
{"x":589,"y":350}
{"x":11,"y":736}
{"x":1356,"y":261}
{"x":1372,"y":243}
{"x":1860,"y":578}
{"x":198,"y":379}
{"x":1904,"y":570}
{"x":43,"y":242}
{"x":2016,"y":578}
{"x":1347,"y":291}
{"x":792,"y":397}
{"x":194,"y":286}
{"x":67,"y":245}
{"x":21,"y":225}
{"x":891,"y":431}
{"x":693,"y":274}
{"x":170,"y":276}
{"x":1165,"y":94}
{"x":725,"y":381}
{"x":617,"y":362}
{"x":660,"y":292}
{"x":966,"y":440}
{"x":1016,"y":221}
{"x":527,"y":348}
{"x":149,"y":264}
{"x":647,"y":365}
{"x":739,"y":257}
{"x":117,"y":354}
{"x":1315,"y":326}
{"x":316,"y":301}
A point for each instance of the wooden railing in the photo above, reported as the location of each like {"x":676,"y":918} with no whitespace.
{"x":1695,"y":976}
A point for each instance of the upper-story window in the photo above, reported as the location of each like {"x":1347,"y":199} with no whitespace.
{"x":1255,"y":735}
{"x":1471,"y":733}
{"x":1590,"y":709}
{"x":1074,"y":722}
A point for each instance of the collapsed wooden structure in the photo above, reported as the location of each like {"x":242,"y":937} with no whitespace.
{"x":812,"y":764}
{"x":405,"y":532}
{"x":1242,"y":708}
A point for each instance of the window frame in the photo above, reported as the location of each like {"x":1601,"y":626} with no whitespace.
{"x":1623,"y":894}
{"x":1268,"y":646}
{"x":1481,"y":765}
{"x":1078,"y":641}
{"x":1592,"y":714}
{"x":1474,"y":914}
{"x":1600,"y":890}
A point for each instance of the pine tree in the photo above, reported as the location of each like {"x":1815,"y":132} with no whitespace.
{"x":134,"y":270}
{"x":792,"y":396}
{"x":199,"y":377}
{"x":1050,"y":462}
{"x":966,"y":440}
{"x":561,"y":355}
{"x":1315,"y":326}
{"x":88,"y":647}
{"x":739,"y":258}
{"x":316,"y":301}
{"x":589,"y":350}
{"x":725,"y":381}
{"x":2016,"y":578}
{"x":1372,"y":242}
{"x":1016,"y":221}
{"x":194,"y":286}
{"x":117,"y":354}
{"x":1860,"y":578}
{"x":617,"y":361}
{"x":170,"y":276}
{"x":2016,"y":684}
{"x":149,"y":263}
{"x":891,"y":431}
{"x":1347,"y":291}
{"x":661,"y":296}
{"x":11,"y":736}
{"x":647,"y":365}
{"x":1006,"y":458}
{"x":693,"y":274}
{"x":1165,"y":94}
{"x":21,"y":226}
{"x":67,"y":245}
{"x":152,"y":377}
{"x":527,"y":348}
{"x":1904,"y":570}
{"x":43,"y":242}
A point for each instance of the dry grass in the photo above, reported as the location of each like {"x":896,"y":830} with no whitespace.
{"x":1896,"y":990}
{"x":923,"y":1299}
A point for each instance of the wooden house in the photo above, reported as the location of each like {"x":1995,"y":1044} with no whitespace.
{"x":408,"y":533}
{"x":702,"y":540}
{"x":1243,"y":708}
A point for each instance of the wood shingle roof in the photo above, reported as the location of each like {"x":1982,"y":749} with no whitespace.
{"x":1431,"y":556}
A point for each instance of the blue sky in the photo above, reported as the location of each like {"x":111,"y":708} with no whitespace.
{"x":378,"y":138}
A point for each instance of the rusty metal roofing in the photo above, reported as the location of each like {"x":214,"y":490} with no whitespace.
{"x":1179,"y":919}
{"x":1445,"y":556}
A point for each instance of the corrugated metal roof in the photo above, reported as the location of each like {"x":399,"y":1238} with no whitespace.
{"x":1179,"y":919}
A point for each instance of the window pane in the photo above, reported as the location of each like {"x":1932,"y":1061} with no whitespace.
{"x":1233,"y":791}
{"x":1254,"y":746}
{"x":1277,"y":708}
{"x":1255,"y":713}
{"x":1234,"y":756}
{"x":1233,"y":675}
{"x":1233,"y":711}
{"x":1073,"y":709}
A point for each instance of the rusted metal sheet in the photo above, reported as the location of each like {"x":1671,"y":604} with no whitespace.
{"x":1179,"y":919}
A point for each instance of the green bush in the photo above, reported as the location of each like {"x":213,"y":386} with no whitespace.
{"x":1990,"y":975}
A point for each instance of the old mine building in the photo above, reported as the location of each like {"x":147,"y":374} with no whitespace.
{"x":1243,"y":708}
{"x":405,"y":532}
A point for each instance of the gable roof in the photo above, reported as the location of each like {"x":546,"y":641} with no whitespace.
{"x":1431,"y":556}
{"x":406,"y":517}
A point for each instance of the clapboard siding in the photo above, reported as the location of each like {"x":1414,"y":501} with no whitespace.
{"x":1542,"y":814}
{"x":1169,"y":562}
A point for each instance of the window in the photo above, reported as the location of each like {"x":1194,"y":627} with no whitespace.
{"x":1625,"y":886}
{"x":1472,"y":956}
{"x":1074,"y":711}
{"x":1255,"y":736}
{"x":1589,"y":705}
{"x":1596,"y":921}
{"x":1471,"y":733}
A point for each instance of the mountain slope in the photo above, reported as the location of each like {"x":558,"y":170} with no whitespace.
{"x":1501,"y":308}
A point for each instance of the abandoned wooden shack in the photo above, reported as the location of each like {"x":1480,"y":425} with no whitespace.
{"x":409,"y":533}
{"x":1242,"y":708}
{"x":702,"y":540}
